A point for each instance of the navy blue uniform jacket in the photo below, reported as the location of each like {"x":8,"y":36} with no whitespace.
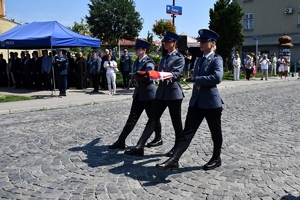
{"x":210,"y":73}
{"x":61,"y":64}
{"x":171,"y":90}
{"x":145,"y":91}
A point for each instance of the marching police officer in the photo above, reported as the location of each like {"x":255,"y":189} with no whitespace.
{"x":169,"y":94}
{"x":204,"y":103}
{"x":143,"y":96}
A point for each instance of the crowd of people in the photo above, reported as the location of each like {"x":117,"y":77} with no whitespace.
{"x":61,"y":71}
{"x":261,"y":65}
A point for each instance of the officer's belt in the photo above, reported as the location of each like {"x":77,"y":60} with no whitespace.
{"x":166,"y":82}
{"x":205,"y":86}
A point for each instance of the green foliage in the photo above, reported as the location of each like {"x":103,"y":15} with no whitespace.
{"x":10,"y":98}
{"x":156,"y":59}
{"x":161,"y":26}
{"x":225,"y":19}
{"x":81,"y":28}
{"x":108,"y":19}
{"x":150,"y":40}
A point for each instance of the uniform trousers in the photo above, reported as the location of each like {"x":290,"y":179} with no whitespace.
{"x":125,"y":76}
{"x":96,"y":82}
{"x":193,"y":120}
{"x":159,"y":107}
{"x":136,"y":110}
{"x":62,"y":83}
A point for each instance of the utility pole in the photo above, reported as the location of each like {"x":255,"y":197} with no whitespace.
{"x":173,"y":15}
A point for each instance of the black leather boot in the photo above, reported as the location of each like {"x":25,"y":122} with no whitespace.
{"x":135,"y":151}
{"x":215,"y":161}
{"x":171,"y":152}
{"x":155,"y":143}
{"x":171,"y":164}
{"x":212,"y":163}
{"x":119,"y":144}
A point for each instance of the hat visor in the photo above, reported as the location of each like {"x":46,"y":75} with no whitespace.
{"x":137,"y":47}
{"x":168,"y":40}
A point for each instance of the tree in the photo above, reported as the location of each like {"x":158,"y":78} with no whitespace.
{"x":161,"y":26}
{"x":84,"y":29}
{"x":109,"y":19}
{"x":81,"y":28}
{"x":225,"y":19}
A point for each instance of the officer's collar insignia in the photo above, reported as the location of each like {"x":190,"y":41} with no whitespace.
{"x":209,"y":58}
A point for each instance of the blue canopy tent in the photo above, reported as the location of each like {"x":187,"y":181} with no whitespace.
{"x":45,"y":35}
{"x":40,"y":35}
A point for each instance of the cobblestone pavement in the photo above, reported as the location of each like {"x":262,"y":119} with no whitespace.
{"x":63,"y":154}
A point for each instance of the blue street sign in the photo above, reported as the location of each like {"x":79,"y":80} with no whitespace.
{"x":176,"y":10}
{"x":256,"y":37}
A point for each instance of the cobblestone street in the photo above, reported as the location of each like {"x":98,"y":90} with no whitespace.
{"x":63,"y":153}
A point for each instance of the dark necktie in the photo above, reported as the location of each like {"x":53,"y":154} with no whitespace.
{"x":167,"y":56}
{"x":200,"y":62}
{"x":137,"y":66}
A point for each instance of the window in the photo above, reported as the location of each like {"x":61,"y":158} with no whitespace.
{"x":248,"y":21}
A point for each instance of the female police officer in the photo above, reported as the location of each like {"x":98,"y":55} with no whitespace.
{"x":169,"y":94}
{"x":204,"y":103}
{"x":143,"y":96}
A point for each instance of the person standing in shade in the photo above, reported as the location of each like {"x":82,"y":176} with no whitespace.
{"x":298,"y":68}
{"x":3,"y":72}
{"x":80,"y":71}
{"x":125,"y":68}
{"x":61,"y":67}
{"x":169,"y":94}
{"x":143,"y":95}
{"x":46,"y":69}
{"x":27,"y":72}
{"x":36,"y":69}
{"x":95,"y":66}
{"x":204,"y":103}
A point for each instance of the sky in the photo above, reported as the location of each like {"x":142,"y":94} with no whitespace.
{"x":195,"y":13}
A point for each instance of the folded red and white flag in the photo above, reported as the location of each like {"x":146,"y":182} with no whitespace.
{"x":155,"y":75}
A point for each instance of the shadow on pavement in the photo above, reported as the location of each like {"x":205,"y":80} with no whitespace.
{"x":289,"y":197}
{"x":133,"y":166}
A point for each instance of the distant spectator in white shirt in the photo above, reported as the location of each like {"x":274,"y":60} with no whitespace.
{"x":236,"y":67}
{"x":264,"y":67}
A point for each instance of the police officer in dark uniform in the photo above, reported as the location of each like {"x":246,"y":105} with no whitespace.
{"x":204,"y":103}
{"x":125,"y":68}
{"x":143,"y":96}
{"x":169,"y":94}
{"x":61,"y":64}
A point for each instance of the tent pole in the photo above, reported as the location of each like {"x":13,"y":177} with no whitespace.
{"x":7,"y":69}
{"x":53,"y":74}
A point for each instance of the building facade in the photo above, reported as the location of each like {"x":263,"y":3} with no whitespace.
{"x":265,"y":21}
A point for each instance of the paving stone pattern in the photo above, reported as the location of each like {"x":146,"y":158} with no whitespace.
{"x":63,"y":153}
